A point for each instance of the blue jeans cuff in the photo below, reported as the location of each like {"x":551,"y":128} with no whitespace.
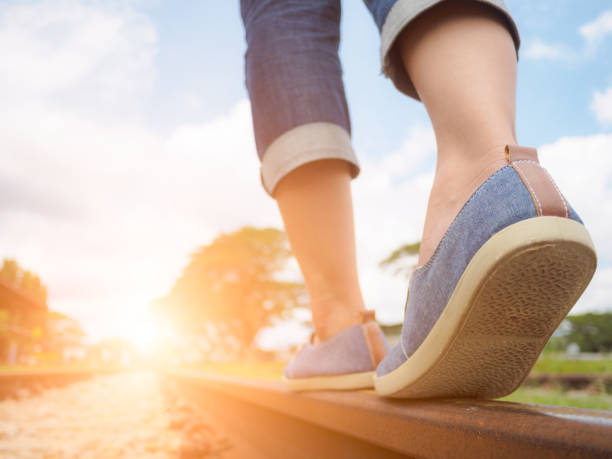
{"x":304,"y":144}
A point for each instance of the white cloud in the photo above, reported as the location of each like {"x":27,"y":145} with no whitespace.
{"x":540,"y":50}
{"x":95,"y":57}
{"x":133,"y":207}
{"x":390,"y":201}
{"x":107,"y":210}
{"x":595,"y":31}
{"x":582,"y":167}
{"x":598,"y":295}
{"x":602,"y":106}
{"x":102,"y":207}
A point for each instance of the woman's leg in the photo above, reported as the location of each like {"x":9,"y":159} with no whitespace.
{"x":301,"y":124}
{"x":316,"y":205}
{"x":462,"y":61}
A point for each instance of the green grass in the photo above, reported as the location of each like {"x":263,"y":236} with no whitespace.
{"x":557,"y":397}
{"x":555,"y":363}
{"x":576,"y":399}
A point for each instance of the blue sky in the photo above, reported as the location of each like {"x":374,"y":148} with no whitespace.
{"x":126,"y":143}
{"x":201,"y":49}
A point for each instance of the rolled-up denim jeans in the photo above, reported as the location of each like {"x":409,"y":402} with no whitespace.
{"x":294,"y":76}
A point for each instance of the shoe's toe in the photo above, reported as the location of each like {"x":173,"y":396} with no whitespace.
{"x":301,"y":364}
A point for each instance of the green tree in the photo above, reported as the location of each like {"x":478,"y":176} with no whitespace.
{"x":42,"y":294}
{"x":22,"y":320}
{"x":399,"y":258}
{"x":29,"y":282}
{"x":591,"y":331}
{"x":9,"y":271}
{"x":235,"y":283}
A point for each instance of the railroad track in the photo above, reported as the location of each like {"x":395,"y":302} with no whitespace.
{"x":264,"y":420}
{"x":577,"y":381}
{"x":15,"y":382}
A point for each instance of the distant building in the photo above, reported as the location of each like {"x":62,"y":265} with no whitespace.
{"x":64,"y":337}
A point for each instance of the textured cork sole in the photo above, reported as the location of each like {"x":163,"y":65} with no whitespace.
{"x":338,"y":382}
{"x":511,"y":298}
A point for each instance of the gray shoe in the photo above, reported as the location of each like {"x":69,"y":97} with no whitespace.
{"x":344,"y":361}
{"x":508,"y":270}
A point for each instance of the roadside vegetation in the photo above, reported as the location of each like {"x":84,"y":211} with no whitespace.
{"x":561,"y":363}
{"x":241,"y":283}
{"x":558,"y":397}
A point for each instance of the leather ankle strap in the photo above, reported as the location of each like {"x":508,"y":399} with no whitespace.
{"x":546,"y":196}
{"x":367,"y":316}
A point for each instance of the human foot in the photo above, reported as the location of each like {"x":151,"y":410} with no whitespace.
{"x":511,"y":265}
{"x":331,"y":316}
{"x":456,"y":179}
{"x":347,"y":360}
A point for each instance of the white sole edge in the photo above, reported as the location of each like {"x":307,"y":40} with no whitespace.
{"x":337,"y":382}
{"x":538,"y":232}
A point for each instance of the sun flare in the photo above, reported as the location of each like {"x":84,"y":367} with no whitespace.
{"x":145,"y":335}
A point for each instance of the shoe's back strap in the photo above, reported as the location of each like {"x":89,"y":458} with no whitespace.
{"x":373,"y":337}
{"x":546,"y":196}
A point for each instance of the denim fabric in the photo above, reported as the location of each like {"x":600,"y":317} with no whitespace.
{"x":293,"y":73}
{"x":392,"y":17}
{"x":500,"y":201}
{"x":345,"y":353}
{"x":379,"y":10}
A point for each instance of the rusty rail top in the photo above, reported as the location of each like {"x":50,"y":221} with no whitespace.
{"x":12,"y":381}
{"x":270,"y":421}
{"x":34,"y":374}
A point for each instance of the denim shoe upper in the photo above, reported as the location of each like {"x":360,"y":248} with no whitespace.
{"x":502,"y":200}
{"x":350,"y":351}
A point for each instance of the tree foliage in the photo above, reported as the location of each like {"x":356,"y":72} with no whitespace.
{"x":234,"y":283}
{"x":592,"y":332}
{"x":10,"y":271}
{"x":399,"y":257}
{"x":20,"y":324}
{"x":23,"y":280}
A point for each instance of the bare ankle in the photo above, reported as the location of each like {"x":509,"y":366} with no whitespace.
{"x":330,"y":317}
{"x":457,"y":177}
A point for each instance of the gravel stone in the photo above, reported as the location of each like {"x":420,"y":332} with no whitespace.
{"x":123,"y":415}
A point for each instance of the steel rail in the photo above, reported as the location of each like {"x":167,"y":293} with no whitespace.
{"x":36,"y":379}
{"x":265,"y":420}
{"x":570,"y":380}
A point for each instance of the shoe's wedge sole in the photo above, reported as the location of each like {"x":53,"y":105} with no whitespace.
{"x":512,"y":296}
{"x":339,"y":382}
